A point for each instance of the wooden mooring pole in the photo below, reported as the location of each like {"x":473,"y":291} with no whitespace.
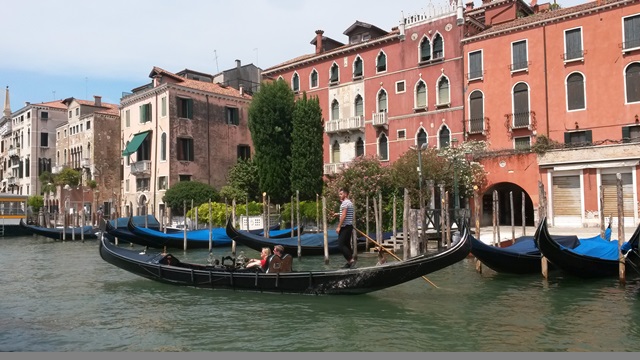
{"x":620,"y":199}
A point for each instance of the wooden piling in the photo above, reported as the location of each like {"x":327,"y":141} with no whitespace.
{"x":211,"y":228}
{"x":298,"y":223}
{"x":184,"y":229}
{"x":405,"y":226}
{"x":443,"y":213}
{"x":602,"y":228}
{"x":394,"y":231}
{"x":447,"y":219}
{"x":292,"y":206}
{"x":366,"y":221}
{"x":620,"y":226}
{"x":325,"y":235}
{"x":379,"y":219}
{"x":524,"y":218}
{"x":513,"y":218}
{"x":233,"y":221}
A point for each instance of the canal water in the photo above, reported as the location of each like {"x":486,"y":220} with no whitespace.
{"x":61,"y":296}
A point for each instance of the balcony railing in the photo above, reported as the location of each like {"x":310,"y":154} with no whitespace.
{"x":380,"y":119}
{"x":142,"y":167}
{"x":521,"y":120}
{"x":14,"y":152}
{"x":345,"y":125}
{"x":11,"y":180}
{"x":476,"y":125}
{"x":520,"y":66}
{"x":85,"y":163}
{"x":574,"y":55}
{"x":330,"y":169}
{"x":631,"y":44}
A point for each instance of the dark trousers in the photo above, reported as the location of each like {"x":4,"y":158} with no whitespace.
{"x":344,"y":241}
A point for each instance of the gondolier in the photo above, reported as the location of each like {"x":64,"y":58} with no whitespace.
{"x":345,"y":227}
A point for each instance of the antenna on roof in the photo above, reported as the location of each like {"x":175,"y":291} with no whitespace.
{"x":215,"y":53}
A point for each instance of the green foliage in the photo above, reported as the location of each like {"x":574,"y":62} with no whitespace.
{"x":271,"y":125}
{"x":460,"y":165}
{"x":544,"y":144}
{"x":92,"y":184}
{"x":306,"y":148}
{"x":48,"y":183}
{"x":243,"y":182}
{"x":309,"y":211}
{"x":220,"y":212}
{"x":68,"y":176}
{"x":406,"y":176}
{"x":186,"y":191}
{"x":35,"y":202}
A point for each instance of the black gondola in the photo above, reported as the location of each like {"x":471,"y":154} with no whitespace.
{"x":601,"y":259}
{"x":167,"y":269}
{"x":57,"y":233}
{"x":523,"y":257}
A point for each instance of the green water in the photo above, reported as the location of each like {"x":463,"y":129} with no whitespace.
{"x":57,"y":296}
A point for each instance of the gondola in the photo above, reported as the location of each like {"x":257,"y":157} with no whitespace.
{"x":167,"y":269}
{"x":196,"y":239}
{"x":117,"y":228}
{"x":587,"y":259}
{"x":57,"y":233}
{"x":523,"y":257}
{"x":310,"y":244}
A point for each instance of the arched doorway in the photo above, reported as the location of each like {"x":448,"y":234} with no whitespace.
{"x":142,"y":205}
{"x":504,"y":203}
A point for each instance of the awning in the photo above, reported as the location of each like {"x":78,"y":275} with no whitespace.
{"x":135,"y":143}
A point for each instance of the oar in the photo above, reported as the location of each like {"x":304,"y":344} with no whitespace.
{"x":392,"y":254}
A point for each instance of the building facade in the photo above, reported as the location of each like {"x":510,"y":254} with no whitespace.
{"x":177,"y":129}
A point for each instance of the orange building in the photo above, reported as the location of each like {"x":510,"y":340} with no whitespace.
{"x":568,"y":75}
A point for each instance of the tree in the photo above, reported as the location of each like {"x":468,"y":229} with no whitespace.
{"x":243,"y":182}
{"x":306,"y":148}
{"x":405,"y":174}
{"x":48,"y":183}
{"x":270,"y":122}
{"x":199,"y":192}
{"x":35,"y":202}
{"x":68,"y":176}
{"x":220,"y":212}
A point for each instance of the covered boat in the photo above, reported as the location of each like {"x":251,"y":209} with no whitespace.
{"x":523,"y":257}
{"x":167,"y":269}
{"x":311,"y":244}
{"x":587,"y":259}
{"x":70,"y":233}
{"x":196,"y":239}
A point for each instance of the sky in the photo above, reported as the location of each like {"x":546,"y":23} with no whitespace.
{"x":52,"y":50}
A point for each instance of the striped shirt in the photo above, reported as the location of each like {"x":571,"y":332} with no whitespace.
{"x":347,"y":204}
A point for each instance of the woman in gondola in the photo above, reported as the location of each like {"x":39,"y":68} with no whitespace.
{"x":262,"y":262}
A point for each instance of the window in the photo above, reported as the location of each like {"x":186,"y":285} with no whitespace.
{"x":335,"y":152}
{"x":402,"y":134}
{"x":44,"y":139}
{"x":70,"y":114}
{"x":383,"y":147}
{"x":578,"y":138}
{"x":77,"y":111}
{"x":359,"y":147}
{"x":438,"y":47}
{"x":335,"y":110}
{"x":421,"y":138}
{"x":475,"y":65}
{"x":162,"y":183}
{"x":421,"y":94}
{"x":244,"y":152}
{"x":425,"y":50}
{"x":357,"y":67}
{"x":89,"y":125}
{"x":185,"y":108}
{"x":142,"y":184}
{"x":400,"y":85}
{"x":359,"y":106}
{"x":295,"y":82}
{"x":519,"y":56}
{"x":233,"y":116}
{"x":334,"y":74}
{"x":632,"y":82}
{"x":382,"y":101}
{"x":444,"y":137}
{"x":185,"y":149}
{"x":314,"y":79}
{"x":381,"y":62}
{"x":443,"y":91}
{"x":184,"y":178}
{"x":520,"y":105}
{"x":126,"y":185}
{"x":522,"y":143}
{"x":127,"y":118}
{"x":145,"y":113}
{"x":631,"y":134}
{"x":163,"y":147}
{"x":476,"y":112}
{"x":573,"y":44}
{"x":44,"y":115}
{"x":631,"y":31}
{"x":575,"y":92}
{"x":164,"y":106}
{"x":81,"y":125}
{"x":27,"y":165}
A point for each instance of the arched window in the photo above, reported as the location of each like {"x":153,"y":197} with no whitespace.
{"x":334,"y":73}
{"x":381,"y":62}
{"x":421,"y":94}
{"x":383,"y":147}
{"x":520,"y":105}
{"x":58,"y":159}
{"x":382,"y":101}
{"x":163,"y":147}
{"x":421,"y":138}
{"x":444,"y":137}
{"x":335,"y":110}
{"x":359,"y":106}
{"x":88,"y":155}
{"x":313,"y":79}
{"x":443,"y":91}
{"x":359,"y":147}
{"x":425,"y":49}
{"x":295,"y":82}
{"x":476,"y":112}
{"x":438,"y":47}
{"x":335,"y":152}
{"x":357,"y":67}
{"x":65,"y":156}
{"x":632,"y":82}
{"x":575,"y":92}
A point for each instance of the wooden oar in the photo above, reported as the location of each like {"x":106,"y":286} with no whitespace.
{"x":392,"y":254}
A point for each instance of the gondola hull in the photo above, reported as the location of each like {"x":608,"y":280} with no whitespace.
{"x":580,"y":265}
{"x":70,"y":233}
{"x":343,"y":281}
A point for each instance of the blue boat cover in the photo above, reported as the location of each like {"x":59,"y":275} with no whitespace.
{"x":526,"y":245}
{"x":121,"y":223}
{"x":598,"y":247}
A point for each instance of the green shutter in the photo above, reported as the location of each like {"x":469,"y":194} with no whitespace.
{"x":567,"y":138}
{"x":143,"y":113}
{"x":626,"y":134}
{"x":588,"y":138}
{"x":190,"y":108}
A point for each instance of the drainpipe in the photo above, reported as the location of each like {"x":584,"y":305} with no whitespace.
{"x":208,"y":142}
{"x":155,"y":163}
{"x":546,"y":76}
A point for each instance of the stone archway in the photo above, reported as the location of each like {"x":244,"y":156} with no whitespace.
{"x":505,"y":205}
{"x":142,"y":205}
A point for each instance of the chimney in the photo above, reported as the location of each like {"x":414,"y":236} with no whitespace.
{"x":469,"y":5}
{"x":319,"y":41}
{"x":459,"y":13}
{"x":7,"y":105}
{"x":238,"y":63}
{"x":97,"y":100}
{"x":241,"y":88}
{"x":486,"y":1}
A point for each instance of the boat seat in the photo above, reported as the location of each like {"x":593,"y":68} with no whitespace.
{"x":287,"y":262}
{"x":280,"y":265}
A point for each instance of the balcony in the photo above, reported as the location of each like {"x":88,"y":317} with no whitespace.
{"x":354,"y":123}
{"x":381,"y":119}
{"x":14,"y":152}
{"x":85,"y":162}
{"x":330,"y":169}
{"x":476,"y":126}
{"x":11,"y":180}
{"x":141,"y":168}
{"x":57,"y":169}
{"x":521,"y":120}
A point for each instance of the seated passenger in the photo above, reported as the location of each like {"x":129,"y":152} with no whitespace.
{"x":262,"y":262}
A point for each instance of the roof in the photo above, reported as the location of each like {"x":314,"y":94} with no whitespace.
{"x":52,"y":104}
{"x":326,"y":40}
{"x":360,"y":24}
{"x":199,"y":85}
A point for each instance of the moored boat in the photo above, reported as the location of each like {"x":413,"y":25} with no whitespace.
{"x":70,"y":233}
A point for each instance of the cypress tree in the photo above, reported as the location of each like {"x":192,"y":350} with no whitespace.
{"x":306,"y":148}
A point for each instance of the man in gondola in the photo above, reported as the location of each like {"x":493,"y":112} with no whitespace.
{"x":345,"y":227}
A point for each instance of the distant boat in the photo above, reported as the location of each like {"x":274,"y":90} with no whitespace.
{"x":196,"y":239}
{"x":71,"y":233}
{"x":12,"y":211}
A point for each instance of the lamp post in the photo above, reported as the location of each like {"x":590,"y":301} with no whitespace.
{"x":64,"y":213}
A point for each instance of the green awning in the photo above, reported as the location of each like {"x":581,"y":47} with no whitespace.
{"x":135,"y":143}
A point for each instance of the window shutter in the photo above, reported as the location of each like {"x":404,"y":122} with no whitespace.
{"x":359,"y":106}
{"x":421,"y":95}
{"x":143,"y":112}
{"x":575,"y":92}
{"x":358,"y":68}
{"x":382,"y":62}
{"x":588,"y":139}
{"x":475,"y":105}
{"x":633,"y":82}
{"x":567,"y":138}
{"x":190,"y":108}
{"x":626,"y":134}
{"x":425,"y":50}
{"x":475,"y":65}
{"x":438,"y":47}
